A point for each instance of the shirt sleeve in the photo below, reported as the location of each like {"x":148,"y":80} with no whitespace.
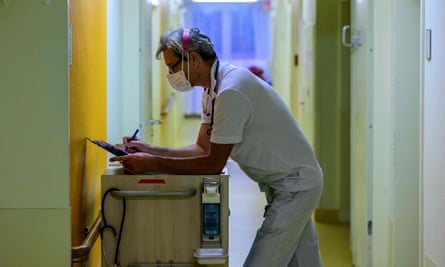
{"x":232,"y":114}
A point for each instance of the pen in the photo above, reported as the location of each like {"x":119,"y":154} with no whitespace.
{"x":132,"y":138}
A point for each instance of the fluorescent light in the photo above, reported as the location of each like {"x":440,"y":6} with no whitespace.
{"x":153,"y":2}
{"x":225,"y":1}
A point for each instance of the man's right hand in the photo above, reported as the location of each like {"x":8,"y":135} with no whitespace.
{"x":135,"y":145}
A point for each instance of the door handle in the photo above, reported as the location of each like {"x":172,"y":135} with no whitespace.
{"x":356,"y":40}
{"x":343,"y":35}
{"x":155,"y":121}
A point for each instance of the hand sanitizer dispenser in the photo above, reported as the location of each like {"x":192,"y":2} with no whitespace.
{"x":211,"y":211}
{"x":212,"y":252}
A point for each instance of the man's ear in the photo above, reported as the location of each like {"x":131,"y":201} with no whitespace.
{"x":195,"y":58}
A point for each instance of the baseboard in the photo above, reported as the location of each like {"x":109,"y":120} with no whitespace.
{"x":327,"y":216}
{"x":192,"y":115}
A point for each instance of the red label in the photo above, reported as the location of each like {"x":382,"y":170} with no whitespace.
{"x":151,"y":181}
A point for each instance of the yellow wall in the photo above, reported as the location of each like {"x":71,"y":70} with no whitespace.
{"x":282,"y":59}
{"x":293,"y":59}
{"x":332,"y":129}
{"x":87,"y":113}
{"x":165,"y":16}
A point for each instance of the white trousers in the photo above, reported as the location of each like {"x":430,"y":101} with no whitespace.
{"x":287,"y":236}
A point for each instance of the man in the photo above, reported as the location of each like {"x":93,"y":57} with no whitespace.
{"x":242,"y":117}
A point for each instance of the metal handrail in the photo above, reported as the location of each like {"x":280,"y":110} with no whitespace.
{"x":80,"y":253}
{"x":137,"y":194}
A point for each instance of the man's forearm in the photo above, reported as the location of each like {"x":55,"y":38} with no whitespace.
{"x":180,"y":152}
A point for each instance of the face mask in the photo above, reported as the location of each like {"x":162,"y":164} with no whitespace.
{"x":179,"y":82}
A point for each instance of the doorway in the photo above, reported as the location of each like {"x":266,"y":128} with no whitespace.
{"x":241,"y":33}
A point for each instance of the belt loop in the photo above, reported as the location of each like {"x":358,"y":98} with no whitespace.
{"x":268,"y":191}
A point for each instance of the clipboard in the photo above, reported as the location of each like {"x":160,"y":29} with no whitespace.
{"x":109,"y":147}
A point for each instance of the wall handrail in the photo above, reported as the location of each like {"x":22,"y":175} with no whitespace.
{"x":80,"y":253}
{"x":137,"y":194}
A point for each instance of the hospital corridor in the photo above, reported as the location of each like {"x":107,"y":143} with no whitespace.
{"x":363,"y":79}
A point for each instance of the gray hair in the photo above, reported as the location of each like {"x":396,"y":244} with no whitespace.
{"x":198,"y":42}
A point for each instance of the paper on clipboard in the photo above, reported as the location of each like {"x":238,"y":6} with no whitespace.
{"x":109,"y":147}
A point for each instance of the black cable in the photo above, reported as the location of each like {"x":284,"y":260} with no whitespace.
{"x":120,"y":231}
{"x":107,"y":226}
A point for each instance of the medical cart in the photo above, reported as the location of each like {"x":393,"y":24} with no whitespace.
{"x":156,"y":220}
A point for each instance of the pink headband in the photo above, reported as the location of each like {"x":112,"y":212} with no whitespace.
{"x":185,"y":40}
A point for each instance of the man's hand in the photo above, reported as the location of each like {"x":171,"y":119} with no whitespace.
{"x":135,"y":145}
{"x":136,"y":162}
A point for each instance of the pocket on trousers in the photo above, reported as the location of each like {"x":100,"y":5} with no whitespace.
{"x":276,"y":212}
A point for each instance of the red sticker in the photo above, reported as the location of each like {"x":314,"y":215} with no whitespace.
{"x":151,"y":181}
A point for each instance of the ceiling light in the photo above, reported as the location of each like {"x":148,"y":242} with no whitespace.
{"x":224,"y":1}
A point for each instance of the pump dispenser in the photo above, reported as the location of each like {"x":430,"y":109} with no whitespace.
{"x":211,"y":211}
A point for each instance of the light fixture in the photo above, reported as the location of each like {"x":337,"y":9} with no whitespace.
{"x":225,"y":1}
{"x":153,"y":2}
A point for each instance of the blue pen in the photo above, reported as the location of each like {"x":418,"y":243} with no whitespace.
{"x":132,"y":138}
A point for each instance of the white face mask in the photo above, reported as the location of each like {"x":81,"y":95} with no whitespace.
{"x":179,"y":82}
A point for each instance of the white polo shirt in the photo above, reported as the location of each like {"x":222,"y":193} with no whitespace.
{"x":269,"y":146}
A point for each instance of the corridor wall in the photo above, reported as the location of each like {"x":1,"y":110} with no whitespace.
{"x":34,"y":112}
{"x":332,"y":106}
{"x":433,"y":142}
{"x":88,"y":116}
